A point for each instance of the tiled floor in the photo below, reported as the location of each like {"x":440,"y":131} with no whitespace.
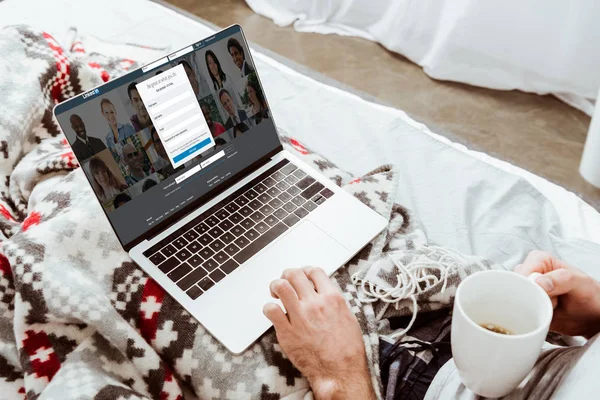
{"x":537,"y":133}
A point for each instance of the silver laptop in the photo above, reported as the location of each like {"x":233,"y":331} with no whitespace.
{"x":184,"y":158}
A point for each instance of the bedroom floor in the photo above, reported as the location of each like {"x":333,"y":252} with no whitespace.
{"x":538,"y":133}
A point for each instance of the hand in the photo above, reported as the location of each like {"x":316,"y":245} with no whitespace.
{"x":575,"y":296}
{"x":320,"y":335}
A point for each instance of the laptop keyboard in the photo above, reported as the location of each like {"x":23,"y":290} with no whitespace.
{"x":213,"y":245}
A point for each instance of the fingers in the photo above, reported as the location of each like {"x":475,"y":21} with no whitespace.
{"x":319,"y":279}
{"x":558,"y":282}
{"x":536,"y":261}
{"x":299,"y":281}
{"x":276,"y":315}
{"x":283,"y":290}
{"x":539,"y":261}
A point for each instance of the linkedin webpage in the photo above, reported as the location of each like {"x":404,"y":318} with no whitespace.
{"x":160,"y":137}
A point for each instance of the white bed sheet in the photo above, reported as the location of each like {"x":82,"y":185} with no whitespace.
{"x":465,"y":199}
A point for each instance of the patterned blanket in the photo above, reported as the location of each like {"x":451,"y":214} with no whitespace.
{"x":78,"y":319}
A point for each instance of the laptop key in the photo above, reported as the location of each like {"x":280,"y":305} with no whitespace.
{"x":183,"y":254}
{"x":194,"y":260}
{"x":264,"y":198}
{"x":309,"y":205}
{"x":225,"y":225}
{"x":266,"y":209}
{"x":222,"y":214}
{"x":280,"y":213}
{"x":179,"y":272}
{"x":305,"y":182}
{"x":299,"y":174}
{"x":291,"y":220}
{"x":211,"y":221}
{"x":247,"y":223}
{"x":251,"y":194}
{"x":206,"y":253}
{"x":210,"y":265}
{"x":216,"y":232}
{"x":269,"y":182}
{"x":282,"y":186}
{"x":298,"y":200}
{"x":312,"y":190}
{"x":217,"y":245}
{"x":235,"y":218}
{"x":241,"y":201}
{"x":169,"y":265}
{"x":192,"y":278}
{"x":231,"y":249}
{"x":289,"y":207}
{"x":201,"y":228}
{"x":301,"y":212}
{"x":291,"y":179}
{"x":260,"y":188}
{"x":275,"y":203}
{"x":190,"y":235}
{"x":251,"y":234}
{"x":294,"y":191}
{"x":221,"y":257}
{"x":232,"y":207}
{"x":273,"y":192}
{"x":194,"y":292}
{"x":246,"y":211}
{"x":288,"y":169}
{"x":255,"y":204}
{"x":216,"y":275}
{"x":237,"y":230}
{"x":205,"y":239}
{"x":285,"y":197}
{"x":260,"y":243}
{"x":230,"y":266}
{"x":227,"y":237}
{"x":206,"y":284}
{"x":277,"y":176}
{"x":261,"y":227}
{"x":257,"y":216}
{"x":272,"y":220}
{"x":157,"y":258}
{"x":241,"y":242}
{"x":194,"y":247}
{"x":327,"y":193}
{"x":179,"y":243}
{"x":168,"y":250}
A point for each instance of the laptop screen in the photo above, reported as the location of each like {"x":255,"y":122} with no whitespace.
{"x":157,"y":139}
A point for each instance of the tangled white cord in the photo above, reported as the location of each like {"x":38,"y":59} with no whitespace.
{"x":413,"y":278}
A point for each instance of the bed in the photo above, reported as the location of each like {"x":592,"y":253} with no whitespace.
{"x":465,"y":199}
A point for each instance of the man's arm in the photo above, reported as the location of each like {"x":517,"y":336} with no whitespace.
{"x":320,"y":335}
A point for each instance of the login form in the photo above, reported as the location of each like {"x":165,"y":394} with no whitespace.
{"x":176,"y":115}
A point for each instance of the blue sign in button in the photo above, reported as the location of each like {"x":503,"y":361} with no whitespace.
{"x":191,"y":150}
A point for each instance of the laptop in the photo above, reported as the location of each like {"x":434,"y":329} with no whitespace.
{"x":184,"y":157}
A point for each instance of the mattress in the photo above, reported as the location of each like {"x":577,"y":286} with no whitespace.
{"x":465,"y":199}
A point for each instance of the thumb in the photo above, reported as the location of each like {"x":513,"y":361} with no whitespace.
{"x":557,"y":282}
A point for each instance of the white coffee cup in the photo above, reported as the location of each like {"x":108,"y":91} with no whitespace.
{"x":492,"y":364}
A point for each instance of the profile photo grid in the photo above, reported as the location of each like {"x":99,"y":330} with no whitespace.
{"x":117,"y":145}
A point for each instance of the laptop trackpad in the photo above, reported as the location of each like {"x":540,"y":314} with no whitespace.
{"x":235,"y":315}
